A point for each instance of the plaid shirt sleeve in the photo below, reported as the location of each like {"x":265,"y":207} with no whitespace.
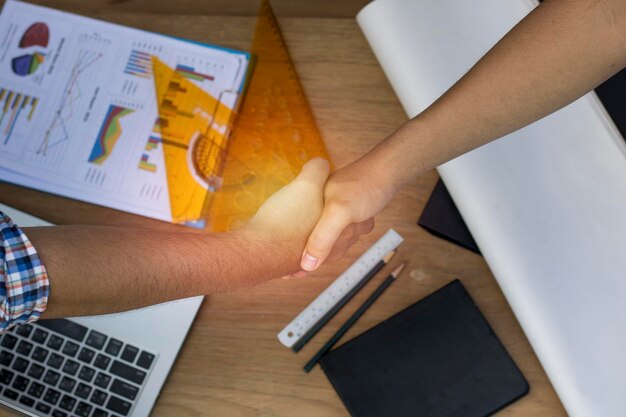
{"x":24,"y":286}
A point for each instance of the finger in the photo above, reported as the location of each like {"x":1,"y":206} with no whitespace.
{"x":365,"y":227}
{"x":349,"y":237}
{"x":323,"y":237}
{"x":300,"y":274}
{"x":316,"y":171}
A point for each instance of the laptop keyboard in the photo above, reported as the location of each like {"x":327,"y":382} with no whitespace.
{"x":61,"y":368}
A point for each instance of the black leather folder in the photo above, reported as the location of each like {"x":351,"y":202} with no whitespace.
{"x":437,"y":358}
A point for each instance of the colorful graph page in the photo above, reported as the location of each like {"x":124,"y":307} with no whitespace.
{"x":113,"y":115}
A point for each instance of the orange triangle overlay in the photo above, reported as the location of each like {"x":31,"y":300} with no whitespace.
{"x":274,"y":135}
{"x":275,"y":132}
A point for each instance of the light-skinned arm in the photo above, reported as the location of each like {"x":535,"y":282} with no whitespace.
{"x":101,"y":269}
{"x":559,"y":52}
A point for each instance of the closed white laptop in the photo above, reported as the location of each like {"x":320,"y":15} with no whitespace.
{"x":118,"y":367}
{"x":546,"y":204}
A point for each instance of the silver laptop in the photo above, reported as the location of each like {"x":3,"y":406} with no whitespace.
{"x":112,"y":365}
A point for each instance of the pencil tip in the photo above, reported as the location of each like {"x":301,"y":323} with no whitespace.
{"x":398,"y":270}
{"x":388,"y":257}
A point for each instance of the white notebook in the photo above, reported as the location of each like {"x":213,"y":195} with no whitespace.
{"x":546,"y":205}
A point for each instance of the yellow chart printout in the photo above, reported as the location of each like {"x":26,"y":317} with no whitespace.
{"x":194,"y":129}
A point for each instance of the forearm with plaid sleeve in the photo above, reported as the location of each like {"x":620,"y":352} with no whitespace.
{"x":24,"y":285}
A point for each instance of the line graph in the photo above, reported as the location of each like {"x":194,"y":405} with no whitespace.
{"x":71,"y":104}
{"x":57,"y":132}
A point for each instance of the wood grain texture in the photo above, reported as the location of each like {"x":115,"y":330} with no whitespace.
{"x":286,"y":8}
{"x":232,"y":364}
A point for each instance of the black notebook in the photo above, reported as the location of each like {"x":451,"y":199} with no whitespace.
{"x":439,"y":357}
{"x":442,"y":218}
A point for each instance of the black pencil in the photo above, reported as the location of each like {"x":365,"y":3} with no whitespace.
{"x":342,"y":302}
{"x":346,"y":326}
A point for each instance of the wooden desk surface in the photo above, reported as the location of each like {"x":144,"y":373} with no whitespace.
{"x":232,"y":364}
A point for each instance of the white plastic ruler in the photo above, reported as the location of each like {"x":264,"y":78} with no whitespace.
{"x":340,"y":287}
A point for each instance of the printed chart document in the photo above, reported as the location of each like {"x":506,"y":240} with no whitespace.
{"x":545,"y":204}
{"x":82,"y":116}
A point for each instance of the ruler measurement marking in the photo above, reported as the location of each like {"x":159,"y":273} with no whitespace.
{"x":338,"y":288}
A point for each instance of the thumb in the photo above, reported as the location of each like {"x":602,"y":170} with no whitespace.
{"x":323,"y":238}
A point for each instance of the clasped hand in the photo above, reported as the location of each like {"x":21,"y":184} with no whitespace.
{"x":319,"y":216}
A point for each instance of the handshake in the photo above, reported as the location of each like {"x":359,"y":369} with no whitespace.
{"x":319,"y":216}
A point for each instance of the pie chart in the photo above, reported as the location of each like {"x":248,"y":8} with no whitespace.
{"x":37,"y":34}
{"x":27,"y":64}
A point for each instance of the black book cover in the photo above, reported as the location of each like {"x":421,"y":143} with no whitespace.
{"x":437,"y":358}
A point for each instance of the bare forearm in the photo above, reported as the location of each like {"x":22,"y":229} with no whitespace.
{"x":96,"y":270}
{"x":559,"y":52}
{"x":555,"y":55}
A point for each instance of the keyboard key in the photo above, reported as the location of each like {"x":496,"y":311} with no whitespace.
{"x":55,"y":342}
{"x":36,"y":371}
{"x":114,"y":347}
{"x":117,"y":405}
{"x":71,"y":367}
{"x":55,"y":361}
{"x":67,"y":384}
{"x":40,"y":336}
{"x":65,"y":327}
{"x":98,"y":397}
{"x":102,"y":380}
{"x":43,"y":408}
{"x":86,"y":373}
{"x":70,"y":348}
{"x":128,"y":372}
{"x":9,"y":393}
{"x":8,"y":341}
{"x":6,"y":357}
{"x":24,"y":330}
{"x":82,"y":391}
{"x":99,"y":413}
{"x":124,"y":389}
{"x":51,"y":377}
{"x":83,"y":409}
{"x":40,"y":354}
{"x":36,"y":389}
{"x":67,"y":403}
{"x":102,"y":362}
{"x":130,"y":353}
{"x":96,"y":339}
{"x":86,"y":355}
{"x":52,"y":396}
{"x":20,"y":364}
{"x":6,"y":376}
{"x":145,"y":360}
{"x":24,"y":348}
{"x":20,"y":383}
{"x":27,"y":401}
{"x":58,"y":413}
